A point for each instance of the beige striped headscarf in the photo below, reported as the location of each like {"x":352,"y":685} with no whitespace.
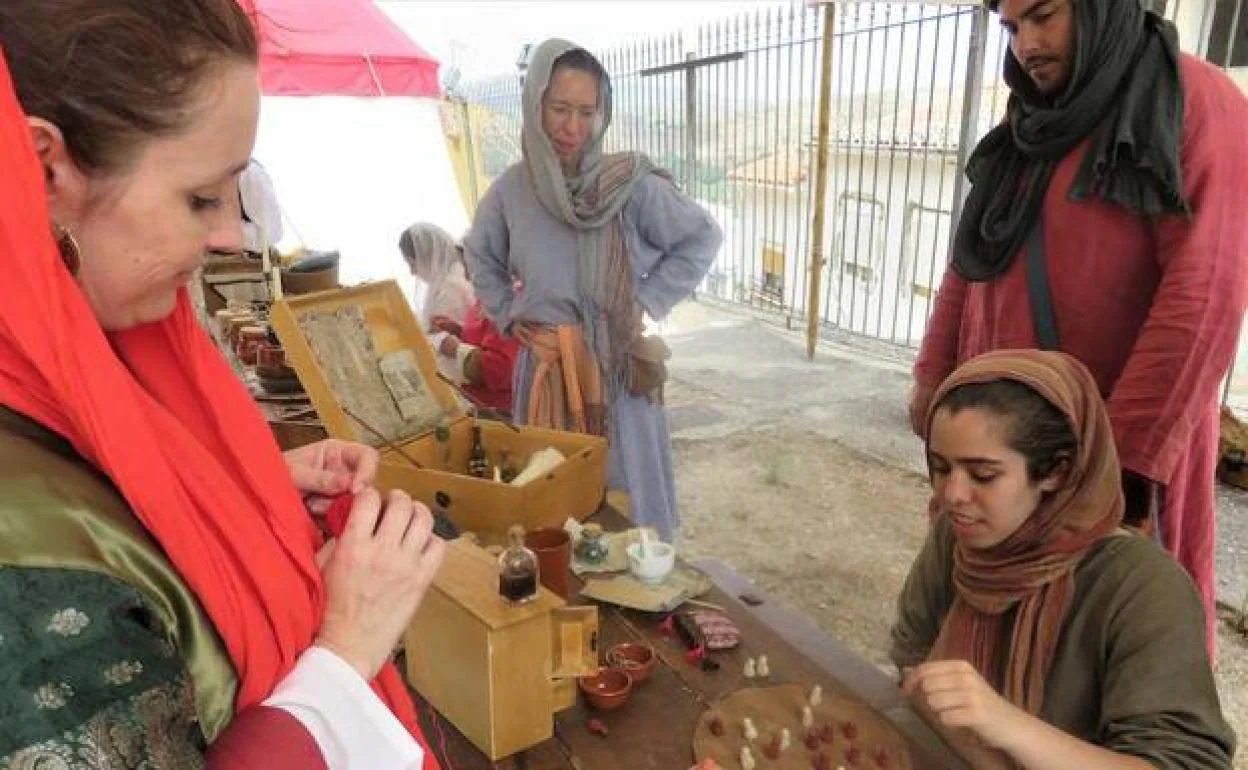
{"x":1033,"y":570}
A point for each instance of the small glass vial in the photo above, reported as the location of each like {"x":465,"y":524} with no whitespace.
{"x":478,"y":463}
{"x":442,"y":435}
{"x":517,"y":569}
{"x":591,"y":549}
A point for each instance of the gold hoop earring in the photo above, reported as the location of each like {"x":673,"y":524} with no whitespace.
{"x":71,"y":255}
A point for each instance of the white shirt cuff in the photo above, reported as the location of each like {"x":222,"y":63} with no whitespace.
{"x":352,"y":727}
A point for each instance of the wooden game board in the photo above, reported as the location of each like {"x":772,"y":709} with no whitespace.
{"x":846,"y":734}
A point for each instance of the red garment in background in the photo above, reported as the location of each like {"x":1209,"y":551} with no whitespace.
{"x":1153,"y":309}
{"x":159,"y":411}
{"x":497,"y":359}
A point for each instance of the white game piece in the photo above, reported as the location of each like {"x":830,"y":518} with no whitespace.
{"x":762,"y":668}
{"x":747,"y":758}
{"x":750,"y":669}
{"x":808,"y":717}
{"x":816,"y":696}
{"x":786,"y":739}
{"x":748,"y":730}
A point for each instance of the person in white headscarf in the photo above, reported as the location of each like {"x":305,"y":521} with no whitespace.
{"x":434,"y":258}
{"x":262,"y":214}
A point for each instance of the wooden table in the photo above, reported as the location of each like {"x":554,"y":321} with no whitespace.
{"x":654,"y":729}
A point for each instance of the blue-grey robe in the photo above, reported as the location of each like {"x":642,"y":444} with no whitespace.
{"x":672,"y":242}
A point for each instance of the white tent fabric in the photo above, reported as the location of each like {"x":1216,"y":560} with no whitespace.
{"x":352,"y":173}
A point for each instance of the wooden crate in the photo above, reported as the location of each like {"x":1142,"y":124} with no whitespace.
{"x":498,"y":672}
{"x":412,"y":458}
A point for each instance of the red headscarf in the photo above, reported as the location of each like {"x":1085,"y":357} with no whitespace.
{"x":160,"y":412}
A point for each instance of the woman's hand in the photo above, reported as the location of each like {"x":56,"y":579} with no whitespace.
{"x":449,"y":345}
{"x":329,"y":468}
{"x":524,"y":331}
{"x":990,"y":733}
{"x":445,"y":324}
{"x":959,"y":697}
{"x":376,"y":575}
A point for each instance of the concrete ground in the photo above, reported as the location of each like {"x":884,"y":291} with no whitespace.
{"x":804,"y":476}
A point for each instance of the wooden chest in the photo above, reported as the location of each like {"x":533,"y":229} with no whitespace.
{"x":497,"y":672}
{"x":337,"y":341}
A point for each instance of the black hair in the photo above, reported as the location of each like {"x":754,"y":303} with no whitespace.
{"x":407,"y":246}
{"x":583,"y":61}
{"x":1038,"y":430}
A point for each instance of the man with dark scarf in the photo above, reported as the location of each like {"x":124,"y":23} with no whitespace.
{"x":1104,"y":220}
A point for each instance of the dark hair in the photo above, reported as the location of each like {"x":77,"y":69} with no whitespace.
{"x":110,"y":73}
{"x":583,"y":61}
{"x":1038,"y":430}
{"x":407,"y":246}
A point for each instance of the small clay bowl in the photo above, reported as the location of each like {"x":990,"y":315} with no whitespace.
{"x":636,"y":660}
{"x":608,"y":690}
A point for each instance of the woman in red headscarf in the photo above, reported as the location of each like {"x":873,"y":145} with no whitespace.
{"x":1033,"y":630}
{"x":164,"y":596}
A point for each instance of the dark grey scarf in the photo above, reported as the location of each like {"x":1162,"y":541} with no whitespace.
{"x":1124,"y":91}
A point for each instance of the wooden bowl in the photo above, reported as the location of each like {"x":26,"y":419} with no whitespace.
{"x":608,"y":690}
{"x":636,"y":660}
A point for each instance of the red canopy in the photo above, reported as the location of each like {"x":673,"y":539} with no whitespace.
{"x":337,"y":47}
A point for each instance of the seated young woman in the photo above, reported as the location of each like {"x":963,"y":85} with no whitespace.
{"x":1033,"y":631}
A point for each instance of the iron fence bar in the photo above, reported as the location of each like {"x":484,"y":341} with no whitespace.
{"x":705,"y":61}
{"x":901,"y":291}
{"x":972,"y":92}
{"x":839,"y":261}
{"x":691,"y":128}
{"x":835,"y":253}
{"x":940,"y":191}
{"x":769,"y":153}
{"x":739,"y":282}
{"x":790,"y":170}
{"x":875,"y":183}
{"x":914,"y":114}
{"x":927,"y":138}
{"x":754,"y":163}
{"x":725,"y":190}
{"x":862,"y":163}
{"x":1230,"y":38}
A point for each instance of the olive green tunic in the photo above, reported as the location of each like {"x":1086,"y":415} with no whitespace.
{"x":1131,"y":673}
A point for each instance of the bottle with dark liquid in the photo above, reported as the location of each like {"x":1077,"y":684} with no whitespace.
{"x":478,"y":463}
{"x":517,"y":569}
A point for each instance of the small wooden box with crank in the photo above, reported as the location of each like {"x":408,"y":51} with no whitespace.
{"x":498,"y":672}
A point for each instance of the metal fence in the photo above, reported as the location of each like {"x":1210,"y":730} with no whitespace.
{"x":732,"y":114}
{"x":731,"y":110}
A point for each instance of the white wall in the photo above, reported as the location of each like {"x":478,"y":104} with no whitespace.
{"x":899,"y":256}
{"x":352,"y":173}
{"x":1240,"y":76}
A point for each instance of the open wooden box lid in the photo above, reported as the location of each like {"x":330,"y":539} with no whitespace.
{"x":365,"y":363}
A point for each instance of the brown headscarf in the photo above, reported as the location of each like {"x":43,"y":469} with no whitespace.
{"x":1033,"y":569}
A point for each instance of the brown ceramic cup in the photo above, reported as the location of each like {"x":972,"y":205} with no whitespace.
{"x":608,"y":690}
{"x":554,"y":557}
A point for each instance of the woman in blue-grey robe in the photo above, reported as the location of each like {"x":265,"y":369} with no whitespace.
{"x":568,"y":248}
